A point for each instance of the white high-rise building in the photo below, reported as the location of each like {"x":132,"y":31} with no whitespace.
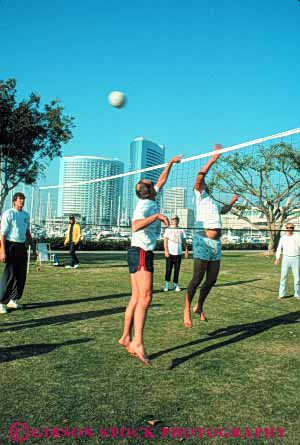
{"x":186,"y":219}
{"x":174,"y":199}
{"x":143,"y":154}
{"x":98,"y":202}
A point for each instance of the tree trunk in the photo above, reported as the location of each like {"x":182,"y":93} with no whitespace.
{"x":2,"y":200}
{"x":271,"y":246}
{"x":274,"y":239}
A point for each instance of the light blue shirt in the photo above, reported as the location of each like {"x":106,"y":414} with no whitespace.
{"x":14,"y":224}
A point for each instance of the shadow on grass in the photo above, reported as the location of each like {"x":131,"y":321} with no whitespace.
{"x":231,"y":255}
{"x":236,"y":283}
{"x":39,"y":305}
{"x":86,"y":264}
{"x":61,"y":319}
{"x":81,"y":300}
{"x":109,"y":266}
{"x":244,"y":331}
{"x":24,"y":351}
{"x":94,"y":257}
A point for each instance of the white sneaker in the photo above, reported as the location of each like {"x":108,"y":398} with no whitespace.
{"x":3,"y":309}
{"x":68,"y":267}
{"x":166,"y":288}
{"x":174,"y":286}
{"x":13,"y":304}
{"x":76,"y":266}
{"x":177,"y":289}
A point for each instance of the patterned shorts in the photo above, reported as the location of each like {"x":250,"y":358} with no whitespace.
{"x":206,"y":248}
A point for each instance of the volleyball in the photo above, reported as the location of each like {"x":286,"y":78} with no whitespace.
{"x":117,"y":99}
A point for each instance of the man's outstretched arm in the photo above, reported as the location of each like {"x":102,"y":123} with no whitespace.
{"x":227,"y":207}
{"x":139,"y":224}
{"x":164,"y":176}
{"x":200,"y":181}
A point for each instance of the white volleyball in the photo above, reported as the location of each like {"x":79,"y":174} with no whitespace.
{"x":117,"y":99}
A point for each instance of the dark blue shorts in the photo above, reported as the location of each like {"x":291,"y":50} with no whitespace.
{"x":140,"y":259}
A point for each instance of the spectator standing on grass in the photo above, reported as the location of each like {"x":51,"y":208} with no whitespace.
{"x":289,"y":246}
{"x":15,"y":230}
{"x":174,"y":237}
{"x":73,"y":237}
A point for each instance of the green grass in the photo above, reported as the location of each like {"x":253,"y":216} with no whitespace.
{"x":61,"y":365}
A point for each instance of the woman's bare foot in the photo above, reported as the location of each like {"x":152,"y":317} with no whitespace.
{"x":187,"y":321}
{"x":124,"y":341}
{"x":203,"y":317}
{"x":197,"y":310}
{"x":139,"y":353}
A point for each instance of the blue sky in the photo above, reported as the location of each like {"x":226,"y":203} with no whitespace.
{"x":195,"y":72}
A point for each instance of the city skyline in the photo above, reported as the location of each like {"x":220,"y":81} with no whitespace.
{"x":144,"y":154}
{"x":99,"y":202}
{"x":194,"y":74}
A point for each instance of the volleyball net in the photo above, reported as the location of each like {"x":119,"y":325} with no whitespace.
{"x":264,"y":173}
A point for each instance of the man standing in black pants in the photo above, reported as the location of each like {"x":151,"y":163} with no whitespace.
{"x":174,"y":237}
{"x":72,"y":238}
{"x":14,"y":232}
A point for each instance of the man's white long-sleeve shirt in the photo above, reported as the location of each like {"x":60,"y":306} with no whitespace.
{"x":289,"y":245}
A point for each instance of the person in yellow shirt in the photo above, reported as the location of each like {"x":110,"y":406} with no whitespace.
{"x":73,"y":237}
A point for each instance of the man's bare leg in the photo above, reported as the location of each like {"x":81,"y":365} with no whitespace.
{"x":144,"y":284}
{"x":129,"y":313}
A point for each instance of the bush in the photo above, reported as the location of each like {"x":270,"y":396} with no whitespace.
{"x":245,"y":246}
{"x":102,"y":244}
{"x":124,"y":244}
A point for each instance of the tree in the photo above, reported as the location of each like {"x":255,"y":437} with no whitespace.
{"x":29,"y":137}
{"x":268,"y":180}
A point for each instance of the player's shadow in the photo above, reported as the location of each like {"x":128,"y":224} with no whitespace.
{"x":75,"y":301}
{"x":54,"y":303}
{"x":236,"y":283}
{"x":89,"y":263}
{"x":244,"y":331}
{"x":109,"y":266}
{"x":102,"y":259}
{"x":251,"y":286}
{"x":234,"y":255}
{"x":11,"y":353}
{"x":58,"y":320}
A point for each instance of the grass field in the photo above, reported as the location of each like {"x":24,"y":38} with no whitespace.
{"x":61,"y":365}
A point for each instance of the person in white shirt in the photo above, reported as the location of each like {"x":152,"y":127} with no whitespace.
{"x":289,"y":246}
{"x":206,"y":242}
{"x":14,"y":232}
{"x":174,"y":237}
{"x":146,"y":223}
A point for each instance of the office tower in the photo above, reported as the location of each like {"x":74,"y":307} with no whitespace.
{"x":174,"y":199}
{"x":99,"y":202}
{"x":186,"y":220}
{"x":143,"y":154}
